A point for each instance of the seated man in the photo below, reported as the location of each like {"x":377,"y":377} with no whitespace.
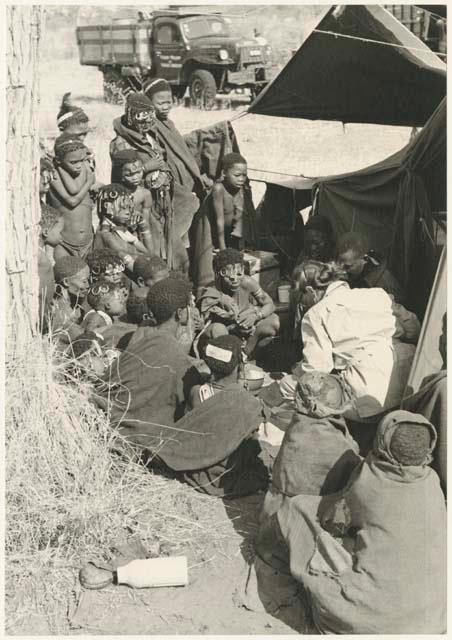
{"x":145,"y":391}
{"x":366,"y":269}
{"x":216,"y":448}
{"x":317,"y":454}
{"x":237,"y":304}
{"x":373,"y":557}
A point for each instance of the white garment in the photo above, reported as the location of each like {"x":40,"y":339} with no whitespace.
{"x":357,"y":332}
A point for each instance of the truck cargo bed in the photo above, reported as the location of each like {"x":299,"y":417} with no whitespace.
{"x":113,"y":44}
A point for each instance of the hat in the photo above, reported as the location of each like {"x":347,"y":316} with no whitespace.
{"x":157,"y":85}
{"x":166,"y":296}
{"x":320,"y":395}
{"x":67,"y":266}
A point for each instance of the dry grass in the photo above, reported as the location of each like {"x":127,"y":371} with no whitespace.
{"x":70,"y":496}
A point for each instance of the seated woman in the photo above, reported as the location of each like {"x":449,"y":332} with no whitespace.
{"x":317,"y":454}
{"x":237,"y":304}
{"x":361,"y":333}
{"x":373,"y":557}
{"x":215,"y":448}
{"x":318,"y":243}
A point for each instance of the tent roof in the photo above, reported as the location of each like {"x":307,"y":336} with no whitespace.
{"x":347,"y":79}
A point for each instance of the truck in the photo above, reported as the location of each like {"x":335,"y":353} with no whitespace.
{"x":191,"y":50}
{"x":427,"y":25}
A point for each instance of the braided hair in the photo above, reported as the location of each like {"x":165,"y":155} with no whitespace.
{"x":100,"y":260}
{"x":65,"y":143}
{"x":70,"y":114}
{"x":108,"y":195}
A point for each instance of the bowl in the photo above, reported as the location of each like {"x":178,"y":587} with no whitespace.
{"x":254,"y":377}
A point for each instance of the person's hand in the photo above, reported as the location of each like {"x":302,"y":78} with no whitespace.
{"x":224,"y":314}
{"x":135,"y":220}
{"x":337,"y":518}
{"x":247,"y":318}
{"x":206,"y":182}
{"x":156,"y":164}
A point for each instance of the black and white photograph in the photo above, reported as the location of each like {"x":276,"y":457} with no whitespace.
{"x":225,"y":319}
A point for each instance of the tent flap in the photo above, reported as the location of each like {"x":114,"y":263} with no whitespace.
{"x":350,"y":80}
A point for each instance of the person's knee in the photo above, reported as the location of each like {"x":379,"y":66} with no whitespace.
{"x":216,"y":329}
{"x":269,"y":326}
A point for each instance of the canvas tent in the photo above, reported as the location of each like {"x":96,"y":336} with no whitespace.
{"x":338,"y":77}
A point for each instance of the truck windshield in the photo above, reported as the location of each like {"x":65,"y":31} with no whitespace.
{"x":201,"y":27}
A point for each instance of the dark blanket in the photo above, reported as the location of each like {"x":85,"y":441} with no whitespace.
{"x":146,"y":387}
{"x":431,"y":402}
{"x":183,"y":168}
{"x":213,"y":449}
{"x":213,"y":430}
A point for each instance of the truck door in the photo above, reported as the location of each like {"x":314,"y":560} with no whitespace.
{"x":168,"y":49}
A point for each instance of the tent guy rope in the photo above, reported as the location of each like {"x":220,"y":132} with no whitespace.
{"x":384,"y":44}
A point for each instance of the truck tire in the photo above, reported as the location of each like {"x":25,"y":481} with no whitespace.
{"x":116,"y":87}
{"x":203,"y":89}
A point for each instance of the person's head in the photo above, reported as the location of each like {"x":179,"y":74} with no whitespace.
{"x":71,"y":119}
{"x":51,"y":224}
{"x":351,"y":251}
{"x":147,"y":270}
{"x":234,"y":170}
{"x":108,"y":297}
{"x":168,"y":302}
{"x":159,"y":92}
{"x":70,"y":153}
{"x":86,"y":356}
{"x":229,"y":268}
{"x":222,"y":355}
{"x":318,"y":238}
{"x":137,"y":306}
{"x":72,"y":274}
{"x":405,"y":439}
{"x":45,"y":176}
{"x":105,"y":264}
{"x":320,"y":395}
{"x":130,"y":166}
{"x":139,"y":113}
{"x":311,"y":279}
{"x":115,"y":202}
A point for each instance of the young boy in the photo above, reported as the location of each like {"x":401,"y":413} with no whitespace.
{"x":72,"y":285}
{"x":226,"y":218}
{"x":115,"y":209}
{"x":69,"y":193}
{"x":107,"y":302}
{"x":130,"y":168}
{"x":237,"y":304}
{"x":366,"y":269}
{"x":222,"y":356}
{"x":147,"y":270}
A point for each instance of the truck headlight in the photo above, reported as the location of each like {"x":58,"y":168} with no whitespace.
{"x":223,"y":54}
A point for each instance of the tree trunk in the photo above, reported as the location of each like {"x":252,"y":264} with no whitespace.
{"x":22,"y":172}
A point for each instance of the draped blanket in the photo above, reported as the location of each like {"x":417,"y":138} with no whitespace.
{"x":388,"y":575}
{"x":146,"y":388}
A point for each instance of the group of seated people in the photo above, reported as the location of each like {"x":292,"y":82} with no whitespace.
{"x":352,"y":509}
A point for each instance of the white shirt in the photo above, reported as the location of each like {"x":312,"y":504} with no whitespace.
{"x":356,"y":331}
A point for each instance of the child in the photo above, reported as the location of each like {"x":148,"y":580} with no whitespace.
{"x":147,"y":270}
{"x":72,"y":285}
{"x":89,"y":359}
{"x":72,"y":120}
{"x":226,"y":218}
{"x":70,"y":194}
{"x":237,"y":304}
{"x":105,"y":264}
{"x":107,"y":302}
{"x":130,"y":168}
{"x":222,"y":356}
{"x":318,"y":241}
{"x":364,"y":268}
{"x":46,"y":172}
{"x":115,"y":210}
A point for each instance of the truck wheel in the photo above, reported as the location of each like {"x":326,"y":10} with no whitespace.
{"x":203,"y":89}
{"x":116,"y":87}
